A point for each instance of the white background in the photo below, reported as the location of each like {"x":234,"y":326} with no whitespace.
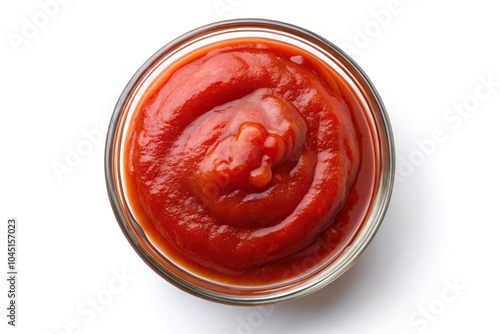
{"x":60,"y":81}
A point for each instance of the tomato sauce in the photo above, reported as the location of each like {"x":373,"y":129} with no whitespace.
{"x":250,"y":161}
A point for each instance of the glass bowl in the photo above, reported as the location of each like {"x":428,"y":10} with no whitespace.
{"x":377,"y":141}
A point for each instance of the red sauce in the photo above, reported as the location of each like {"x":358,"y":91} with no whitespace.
{"x":249,"y":162}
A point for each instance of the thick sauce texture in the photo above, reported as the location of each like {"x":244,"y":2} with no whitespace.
{"x":244,"y":162}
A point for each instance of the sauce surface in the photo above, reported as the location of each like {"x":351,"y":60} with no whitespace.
{"x":249,"y":162}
